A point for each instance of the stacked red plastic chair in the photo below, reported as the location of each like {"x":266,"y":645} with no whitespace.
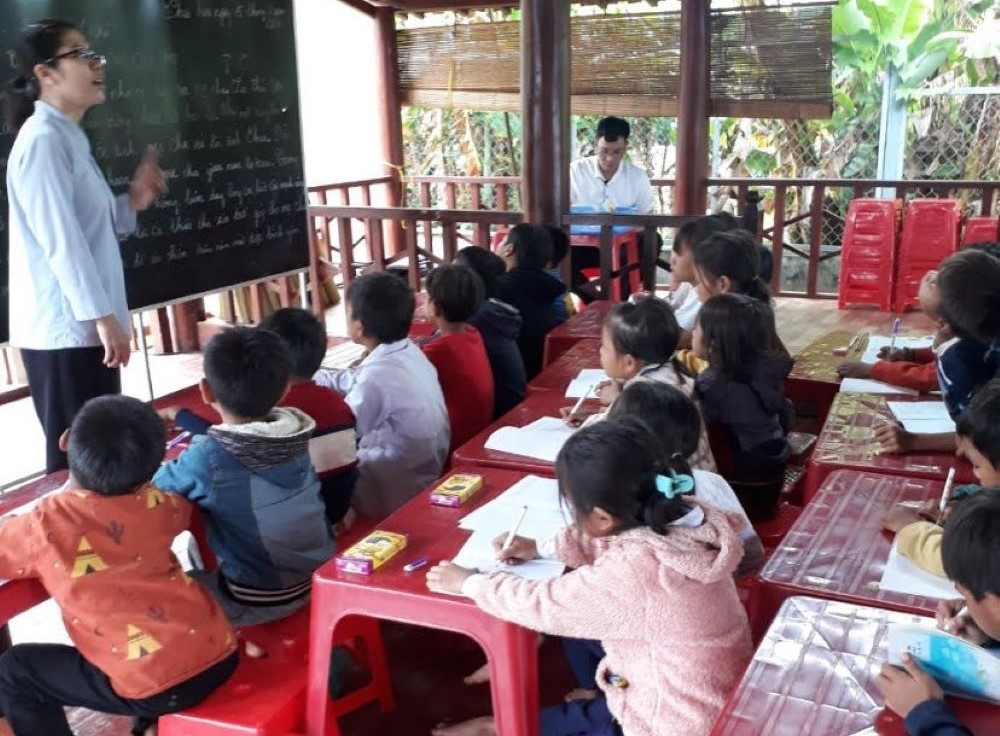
{"x":868,"y":253}
{"x":981,"y":230}
{"x":930,"y":234}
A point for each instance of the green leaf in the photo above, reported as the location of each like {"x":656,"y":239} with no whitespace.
{"x":760,"y":163}
{"x":848,"y":19}
{"x":916,"y":72}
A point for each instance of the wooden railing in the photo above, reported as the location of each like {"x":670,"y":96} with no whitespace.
{"x":802,"y":219}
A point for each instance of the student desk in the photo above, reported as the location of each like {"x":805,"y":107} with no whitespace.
{"x":559,"y":373}
{"x":536,"y":405}
{"x":393,"y":594}
{"x":813,"y":383}
{"x":837,"y":549}
{"x":815,"y":672}
{"x":585,"y":324}
{"x":848,"y":441}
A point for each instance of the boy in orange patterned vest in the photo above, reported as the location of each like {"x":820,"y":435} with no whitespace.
{"x":149,"y":639}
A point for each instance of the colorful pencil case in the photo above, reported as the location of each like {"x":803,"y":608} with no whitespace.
{"x":371,"y":553}
{"x":456,"y":490}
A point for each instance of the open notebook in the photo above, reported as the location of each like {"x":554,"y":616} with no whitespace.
{"x":542,"y":439}
{"x":922,"y":417}
{"x":585,"y":383}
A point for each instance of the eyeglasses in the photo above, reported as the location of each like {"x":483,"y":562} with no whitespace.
{"x":83,"y":54}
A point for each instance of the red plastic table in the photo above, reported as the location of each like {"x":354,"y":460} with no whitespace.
{"x":585,"y":324}
{"x":815,"y":671}
{"x":393,"y":594}
{"x":813,"y":382}
{"x":837,"y":549}
{"x":848,"y":441}
{"x":536,"y":405}
{"x":586,"y":353}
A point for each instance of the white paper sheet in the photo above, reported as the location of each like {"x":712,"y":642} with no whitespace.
{"x":546,"y":514}
{"x":586,"y":381}
{"x":542,"y":439}
{"x":870,"y":386}
{"x":342,"y":356}
{"x":922,"y":417}
{"x":902,"y":575}
{"x":477,"y":553}
{"x":877,"y":342}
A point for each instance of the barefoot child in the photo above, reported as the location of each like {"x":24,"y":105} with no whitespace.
{"x":650,"y":596}
{"x":148,"y":639}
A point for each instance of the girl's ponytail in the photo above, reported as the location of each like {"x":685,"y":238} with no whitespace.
{"x":667,"y":503}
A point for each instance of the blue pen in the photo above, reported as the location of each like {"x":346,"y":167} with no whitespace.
{"x":415,"y":564}
{"x":892,"y":340}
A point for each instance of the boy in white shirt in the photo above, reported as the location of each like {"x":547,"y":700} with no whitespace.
{"x":402,"y":421}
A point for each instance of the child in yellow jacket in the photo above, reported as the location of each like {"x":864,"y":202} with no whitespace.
{"x":978,"y":432}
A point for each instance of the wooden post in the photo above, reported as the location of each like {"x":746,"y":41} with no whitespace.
{"x":692,"y":117}
{"x":390,"y":115}
{"x":545,"y":69}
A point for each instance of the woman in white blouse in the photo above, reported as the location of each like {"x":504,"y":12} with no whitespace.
{"x":68,"y":311}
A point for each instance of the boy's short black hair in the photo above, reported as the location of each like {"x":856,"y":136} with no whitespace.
{"x":992,"y":249}
{"x":487,"y":264}
{"x":116,"y":444}
{"x":701,"y":229}
{"x":612,"y":128}
{"x":383,"y":304}
{"x":303,"y":334}
{"x":980,"y":422}
{"x":560,"y":244}
{"x":970,"y":545}
{"x":969,"y":284}
{"x":457,"y":292}
{"x":247,"y":369}
{"x":532,"y":246}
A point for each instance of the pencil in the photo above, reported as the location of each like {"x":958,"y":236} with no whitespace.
{"x":946,"y":493}
{"x":895,"y":333}
{"x":513,"y":532}
{"x":579,"y":402}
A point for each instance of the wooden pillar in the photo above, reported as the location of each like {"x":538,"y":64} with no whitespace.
{"x":692,"y":118}
{"x":387,"y":69}
{"x":545,"y":74}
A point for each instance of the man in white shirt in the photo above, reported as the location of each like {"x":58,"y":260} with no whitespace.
{"x":606,"y":181}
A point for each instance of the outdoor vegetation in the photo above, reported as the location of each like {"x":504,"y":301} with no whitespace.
{"x":944,"y":55}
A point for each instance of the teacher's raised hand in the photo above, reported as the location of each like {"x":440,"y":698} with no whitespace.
{"x":148,"y":182}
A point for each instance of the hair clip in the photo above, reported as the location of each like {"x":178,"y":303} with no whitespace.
{"x":674,"y":485}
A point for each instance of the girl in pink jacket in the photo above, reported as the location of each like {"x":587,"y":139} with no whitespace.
{"x":650,"y":599}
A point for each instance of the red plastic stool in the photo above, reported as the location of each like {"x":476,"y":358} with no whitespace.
{"x":772,"y":531}
{"x":868,"y":253}
{"x":267,"y":696}
{"x":800,"y":445}
{"x":981,"y":230}
{"x":930,"y":234}
{"x":264,"y":697}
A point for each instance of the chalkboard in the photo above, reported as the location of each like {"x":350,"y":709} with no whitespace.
{"x":212,"y":85}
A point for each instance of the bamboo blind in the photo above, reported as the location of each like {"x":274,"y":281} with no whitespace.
{"x":765,"y":62}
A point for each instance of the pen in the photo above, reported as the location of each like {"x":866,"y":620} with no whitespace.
{"x":415,"y":564}
{"x":963,"y":612}
{"x":513,"y":532}
{"x":579,"y":402}
{"x":947,"y":489}
{"x":177,"y":440}
{"x":895,"y":332}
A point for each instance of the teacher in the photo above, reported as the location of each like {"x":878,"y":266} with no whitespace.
{"x":68,"y":311}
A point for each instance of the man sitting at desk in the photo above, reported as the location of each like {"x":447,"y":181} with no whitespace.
{"x":606,"y":181}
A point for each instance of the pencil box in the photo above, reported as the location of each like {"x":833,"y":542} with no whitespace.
{"x":369,"y":554}
{"x":456,"y":490}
